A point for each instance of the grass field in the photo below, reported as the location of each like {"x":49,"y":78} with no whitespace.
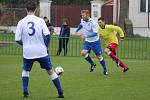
{"x":78,"y":83}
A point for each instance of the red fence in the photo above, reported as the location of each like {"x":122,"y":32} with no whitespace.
{"x":107,"y":13}
{"x":58,"y":12}
{"x":71,"y":12}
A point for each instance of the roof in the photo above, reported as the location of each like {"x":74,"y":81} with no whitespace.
{"x":109,"y":2}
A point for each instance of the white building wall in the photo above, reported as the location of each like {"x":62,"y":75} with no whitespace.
{"x":116,"y":10}
{"x":139,"y":19}
{"x":96,"y":6}
{"x":45,"y":7}
{"x":145,"y":32}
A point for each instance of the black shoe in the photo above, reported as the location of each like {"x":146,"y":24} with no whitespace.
{"x":61,"y":96}
{"x":105,"y":73}
{"x":125,"y":69}
{"x":25,"y":94}
{"x":118,"y":63}
{"x":92,"y":67}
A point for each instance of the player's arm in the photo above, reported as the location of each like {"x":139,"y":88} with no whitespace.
{"x":46,"y":33}
{"x":18,"y":34}
{"x":46,"y":40}
{"x":91,"y":34}
{"x":19,"y":42}
{"x":119,"y":30}
{"x":79,"y":28}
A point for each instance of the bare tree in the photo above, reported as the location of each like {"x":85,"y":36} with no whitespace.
{"x":124,"y":21}
{"x":124,"y":7}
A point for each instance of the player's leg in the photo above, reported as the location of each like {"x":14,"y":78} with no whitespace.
{"x":46,"y":64}
{"x":25,"y":75}
{"x":55,"y":79}
{"x":89,"y":51}
{"x":111,"y":51}
{"x":87,"y":57}
{"x":96,"y":47}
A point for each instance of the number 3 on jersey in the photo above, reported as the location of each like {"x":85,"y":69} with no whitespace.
{"x":31,"y":27}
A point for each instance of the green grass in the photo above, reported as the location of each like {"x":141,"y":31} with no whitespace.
{"x":77,"y":82}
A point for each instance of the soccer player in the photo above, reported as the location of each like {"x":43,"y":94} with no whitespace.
{"x":91,"y":40}
{"x":108,"y":36}
{"x":33,"y":34}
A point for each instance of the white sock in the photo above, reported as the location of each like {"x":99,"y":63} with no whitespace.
{"x":101,"y":58}
{"x":54,"y":76}
{"x":25,"y":73}
{"x":86,"y":55}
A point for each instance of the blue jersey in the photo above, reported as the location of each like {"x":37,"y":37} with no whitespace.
{"x":91,"y":29}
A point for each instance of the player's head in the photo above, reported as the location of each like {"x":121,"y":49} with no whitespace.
{"x":31,"y":6}
{"x":85,"y":15}
{"x":45,"y":19}
{"x":65,"y":21}
{"x":101,"y":22}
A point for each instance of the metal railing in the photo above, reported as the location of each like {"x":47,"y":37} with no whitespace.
{"x":130,"y":48}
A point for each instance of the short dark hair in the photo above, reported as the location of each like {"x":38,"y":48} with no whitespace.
{"x":66,"y":20}
{"x":101,"y":18}
{"x":45,"y":17}
{"x":85,"y":11}
{"x":31,"y":6}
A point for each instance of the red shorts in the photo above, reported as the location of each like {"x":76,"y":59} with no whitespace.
{"x":113,"y":47}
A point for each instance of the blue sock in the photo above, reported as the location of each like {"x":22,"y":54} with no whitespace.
{"x":25,"y":81}
{"x":102,"y":62}
{"x":88,"y":58}
{"x":56,"y":82}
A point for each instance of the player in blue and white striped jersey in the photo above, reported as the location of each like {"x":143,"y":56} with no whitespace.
{"x":90,"y":27}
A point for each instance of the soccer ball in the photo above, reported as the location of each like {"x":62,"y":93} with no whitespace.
{"x":59,"y":70}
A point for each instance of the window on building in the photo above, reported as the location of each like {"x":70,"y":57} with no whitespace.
{"x":149,"y":5}
{"x":143,"y":6}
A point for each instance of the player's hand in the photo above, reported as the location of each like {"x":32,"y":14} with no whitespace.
{"x":75,"y":33}
{"x":83,"y":36}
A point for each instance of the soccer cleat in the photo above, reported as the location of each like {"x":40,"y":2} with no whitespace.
{"x":25,"y":94}
{"x":92,"y":67}
{"x":105,"y":73}
{"x":61,"y":96}
{"x":125,"y":69}
{"x":118,"y":63}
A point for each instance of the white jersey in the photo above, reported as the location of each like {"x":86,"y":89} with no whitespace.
{"x":90,"y":26}
{"x":30,"y":31}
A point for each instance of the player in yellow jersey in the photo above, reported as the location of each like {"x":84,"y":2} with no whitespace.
{"x":108,"y":36}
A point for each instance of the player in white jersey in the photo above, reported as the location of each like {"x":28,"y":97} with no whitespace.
{"x":33,"y":34}
{"x":91,"y":40}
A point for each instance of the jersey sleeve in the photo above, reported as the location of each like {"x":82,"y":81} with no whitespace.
{"x":117,"y":29}
{"x":45,"y":28}
{"x":18,"y":32}
{"x":79,"y":27}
